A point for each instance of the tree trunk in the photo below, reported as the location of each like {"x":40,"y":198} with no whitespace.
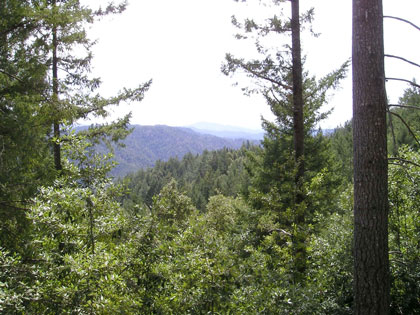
{"x":56,"y":123}
{"x":371,"y":264}
{"x":298,"y":138}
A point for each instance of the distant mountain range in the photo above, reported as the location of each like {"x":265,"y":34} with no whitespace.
{"x":148,"y":144}
{"x":227,"y":131}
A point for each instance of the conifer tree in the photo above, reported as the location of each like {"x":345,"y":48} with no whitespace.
{"x":62,"y":25}
{"x":45,"y":57}
{"x":298,"y":135}
{"x":295,"y":99}
{"x":24,"y":153}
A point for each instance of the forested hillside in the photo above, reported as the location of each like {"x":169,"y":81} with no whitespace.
{"x":198,"y":176}
{"x":147,"y":144}
{"x":268,"y":228}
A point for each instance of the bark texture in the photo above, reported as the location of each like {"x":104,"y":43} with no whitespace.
{"x":371,"y":263}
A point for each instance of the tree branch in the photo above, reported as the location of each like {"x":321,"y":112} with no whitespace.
{"x":394,"y":142}
{"x":13,"y":27}
{"x":402,"y":20}
{"x":403,"y":160}
{"x":407,"y":126}
{"x":261,"y":76}
{"x":404,"y":80}
{"x":403,"y":59}
{"x":11,"y":75}
{"x":275,"y":97}
{"x":6,"y":204}
{"x":404,"y":106}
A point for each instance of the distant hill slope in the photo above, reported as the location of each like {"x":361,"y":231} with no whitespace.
{"x":148,"y":144}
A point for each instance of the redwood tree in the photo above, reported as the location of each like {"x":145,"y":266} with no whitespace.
{"x":295,"y":99}
{"x":298,"y":134}
{"x":371,"y":263}
{"x":62,"y":34}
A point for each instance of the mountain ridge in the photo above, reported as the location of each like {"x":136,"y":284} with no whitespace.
{"x":148,"y":144}
{"x":225,"y":131}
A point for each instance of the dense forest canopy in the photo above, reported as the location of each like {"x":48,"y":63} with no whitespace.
{"x":264,"y":228}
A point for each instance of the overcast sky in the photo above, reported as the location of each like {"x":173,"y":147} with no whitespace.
{"x":181,"y":45}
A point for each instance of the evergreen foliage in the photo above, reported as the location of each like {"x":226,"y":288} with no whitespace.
{"x":199,"y":176}
{"x":24,"y":154}
{"x":211,"y":233}
{"x":283,"y":173}
{"x":404,"y":121}
{"x":342,"y":146}
{"x":404,"y":229}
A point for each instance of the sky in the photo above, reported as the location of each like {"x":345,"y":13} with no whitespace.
{"x":181,"y":45}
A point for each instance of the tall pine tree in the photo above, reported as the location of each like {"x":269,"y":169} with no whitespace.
{"x":295,"y":99}
{"x":25,"y":161}
{"x":64,"y":40}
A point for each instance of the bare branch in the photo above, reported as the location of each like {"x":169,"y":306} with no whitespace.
{"x":407,"y":126}
{"x":404,"y":106}
{"x":403,"y":160}
{"x":404,"y":80}
{"x":403,"y":59}
{"x":402,"y":20}
{"x":275,"y":97}
{"x":394,"y":142}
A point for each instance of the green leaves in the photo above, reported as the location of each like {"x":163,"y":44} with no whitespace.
{"x":404,"y":227}
{"x":77,"y":233}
